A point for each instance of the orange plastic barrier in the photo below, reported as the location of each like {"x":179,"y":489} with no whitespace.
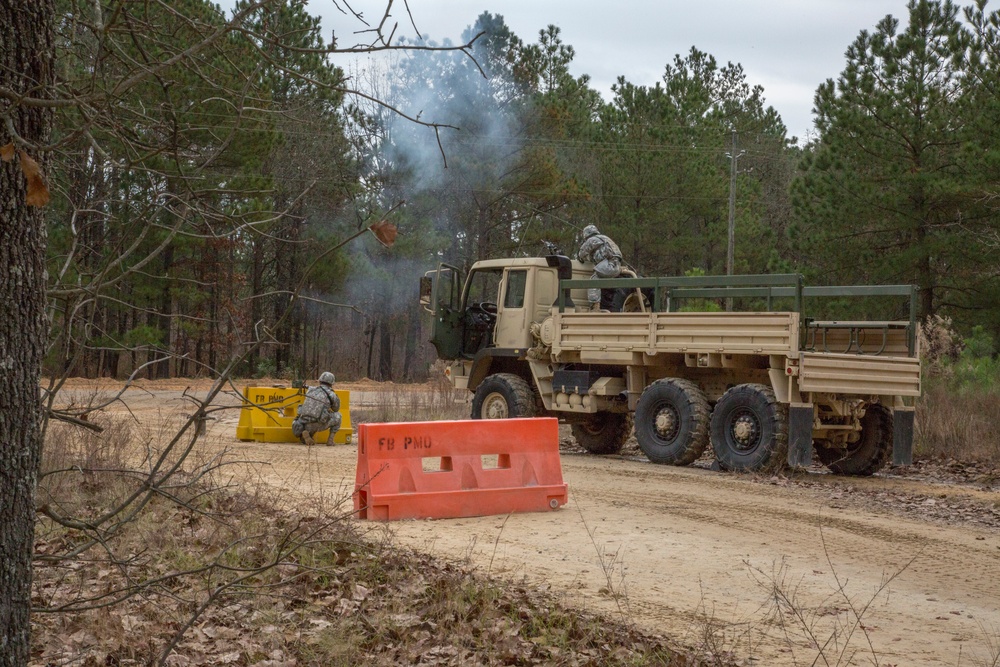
{"x":439,"y":470}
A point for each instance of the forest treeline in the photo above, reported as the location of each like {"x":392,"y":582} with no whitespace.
{"x":195,"y":206}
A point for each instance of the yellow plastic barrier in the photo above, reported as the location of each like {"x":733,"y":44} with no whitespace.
{"x":268,"y":413}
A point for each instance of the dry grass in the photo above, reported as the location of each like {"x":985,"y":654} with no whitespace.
{"x":434,"y":401}
{"x":955,"y":415}
{"x":957,"y":425}
{"x":71,"y":451}
{"x":334,"y":600}
{"x":206,"y":575}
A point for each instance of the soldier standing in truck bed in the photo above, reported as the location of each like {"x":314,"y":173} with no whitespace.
{"x":320,"y":410}
{"x":603,"y":253}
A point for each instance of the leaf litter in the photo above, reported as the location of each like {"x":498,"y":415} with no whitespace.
{"x":338,"y":599}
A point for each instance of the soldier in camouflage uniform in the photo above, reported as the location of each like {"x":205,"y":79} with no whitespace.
{"x":603,"y":253}
{"x":320,"y":410}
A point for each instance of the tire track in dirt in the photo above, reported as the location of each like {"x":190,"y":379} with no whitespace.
{"x":698,"y":544}
{"x":696,"y":555}
{"x":695,"y":552}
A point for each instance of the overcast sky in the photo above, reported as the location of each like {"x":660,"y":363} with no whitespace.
{"x":787,"y":46}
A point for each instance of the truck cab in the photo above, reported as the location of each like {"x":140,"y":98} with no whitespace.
{"x":490,"y":313}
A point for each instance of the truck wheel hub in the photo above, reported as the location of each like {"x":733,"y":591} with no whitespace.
{"x":744,"y":431}
{"x":495,"y":407}
{"x":666,"y":423}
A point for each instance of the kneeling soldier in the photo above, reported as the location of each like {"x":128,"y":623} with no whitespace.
{"x":320,"y":410}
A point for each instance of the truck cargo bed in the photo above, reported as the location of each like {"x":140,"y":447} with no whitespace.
{"x":653,"y":333}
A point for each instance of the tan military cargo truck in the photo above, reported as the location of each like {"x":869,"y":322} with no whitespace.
{"x":763,"y":386}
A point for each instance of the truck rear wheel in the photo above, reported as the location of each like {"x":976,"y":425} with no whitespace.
{"x":604,"y":432}
{"x":871,"y":451}
{"x":503,"y":396}
{"x":671,"y":422}
{"x":750,"y":429}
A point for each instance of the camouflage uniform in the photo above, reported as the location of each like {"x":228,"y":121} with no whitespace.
{"x":604,"y":254}
{"x":320,"y":410}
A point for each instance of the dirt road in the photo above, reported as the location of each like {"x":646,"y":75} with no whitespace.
{"x":708,"y":558}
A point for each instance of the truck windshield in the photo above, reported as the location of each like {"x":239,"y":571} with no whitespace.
{"x":516,"y":282}
{"x":484,"y":286}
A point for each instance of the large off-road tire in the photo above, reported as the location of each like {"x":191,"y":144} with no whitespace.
{"x":671,"y":422}
{"x":503,"y":396}
{"x":871,"y":451}
{"x":604,"y":432}
{"x":750,"y":429}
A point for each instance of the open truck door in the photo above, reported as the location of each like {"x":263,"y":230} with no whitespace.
{"x":441,"y":295}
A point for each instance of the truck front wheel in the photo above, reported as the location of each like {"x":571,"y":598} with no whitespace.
{"x":503,"y":396}
{"x":750,"y":429}
{"x":671,"y":422}
{"x":604,"y":432}
{"x":871,"y":451}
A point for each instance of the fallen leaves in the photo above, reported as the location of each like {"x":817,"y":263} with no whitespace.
{"x":941,"y":491}
{"x":38,"y":192}
{"x":344,"y":603}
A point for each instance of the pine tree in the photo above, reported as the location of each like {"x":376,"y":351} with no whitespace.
{"x":665,"y":177}
{"x":883,"y":196}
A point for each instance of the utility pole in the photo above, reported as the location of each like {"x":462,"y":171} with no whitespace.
{"x":730,"y":249}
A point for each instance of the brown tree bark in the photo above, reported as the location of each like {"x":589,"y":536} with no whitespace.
{"x":26,"y":65}
{"x":385,"y":350}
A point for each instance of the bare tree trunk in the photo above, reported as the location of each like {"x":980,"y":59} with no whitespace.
{"x":165,"y":368}
{"x":410,"y":348}
{"x":372,"y":325}
{"x":26,"y":64}
{"x":288,"y":273}
{"x":925,"y":274}
{"x":216,"y":335}
{"x":256,"y":308}
{"x":303,"y":369}
{"x":385,"y":351}
{"x":483,"y":245}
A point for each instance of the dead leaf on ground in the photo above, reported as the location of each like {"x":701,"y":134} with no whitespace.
{"x":7,"y":152}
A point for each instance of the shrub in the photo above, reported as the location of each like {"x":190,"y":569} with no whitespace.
{"x":976,"y":369}
{"x":265,"y":368}
{"x":939,"y":342}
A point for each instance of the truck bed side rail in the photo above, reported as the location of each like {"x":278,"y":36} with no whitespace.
{"x":858,"y":337}
{"x":665,"y":290}
{"x":655,"y":333}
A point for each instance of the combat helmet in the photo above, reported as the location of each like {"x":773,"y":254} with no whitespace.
{"x":327,"y":378}
{"x":590,"y":230}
